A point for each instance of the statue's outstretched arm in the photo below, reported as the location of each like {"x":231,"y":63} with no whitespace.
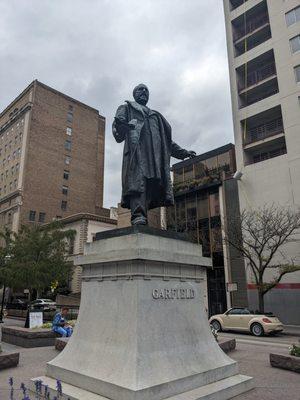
{"x":181,"y":154}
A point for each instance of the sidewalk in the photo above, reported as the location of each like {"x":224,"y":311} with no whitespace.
{"x":291,"y":330}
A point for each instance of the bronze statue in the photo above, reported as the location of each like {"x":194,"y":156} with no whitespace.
{"x":146,"y":181}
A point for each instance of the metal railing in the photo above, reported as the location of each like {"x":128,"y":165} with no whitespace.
{"x":263,"y":131}
{"x":250,"y":26}
{"x":260,"y":74}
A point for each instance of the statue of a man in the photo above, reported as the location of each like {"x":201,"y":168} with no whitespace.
{"x":146,"y":181}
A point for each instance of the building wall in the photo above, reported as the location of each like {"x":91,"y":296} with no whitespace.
{"x":276,"y":180}
{"x":33,"y":157}
{"x":46,"y":154}
{"x":85,"y":232}
{"x":14,"y":127}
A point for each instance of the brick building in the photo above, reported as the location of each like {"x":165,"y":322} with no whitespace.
{"x":51,"y":158}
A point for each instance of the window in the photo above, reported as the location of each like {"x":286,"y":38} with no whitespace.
{"x":70,"y":116}
{"x":17,"y":167}
{"x":2,"y":175}
{"x":8,"y":157}
{"x":58,"y":217}
{"x":15,"y":183}
{"x":5,"y":147}
{"x":10,"y":185}
{"x":0,"y":152}
{"x":19,"y":151}
{"x":14,"y":154}
{"x":4,"y":161}
{"x":6,"y":173}
{"x":69,"y":131}
{"x":4,"y":189}
{"x":12,"y":169}
{"x":71,"y":246}
{"x":32,"y":215}
{"x":70,"y":108}
{"x":68,"y":144}
{"x":295,"y":44}
{"x":66,"y":174}
{"x":297,"y":73}
{"x":64,"y":205}
{"x":42,"y":217}
{"x":0,"y":191}
{"x":67,"y":160}
{"x":65,"y":190}
{"x":292,"y":16}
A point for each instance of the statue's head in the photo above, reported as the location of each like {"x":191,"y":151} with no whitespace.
{"x":141,"y":94}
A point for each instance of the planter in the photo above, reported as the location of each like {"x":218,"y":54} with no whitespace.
{"x":9,"y":359}
{"x":60,"y":343}
{"x":25,"y":337}
{"x":282,"y":361}
{"x":227,"y":345}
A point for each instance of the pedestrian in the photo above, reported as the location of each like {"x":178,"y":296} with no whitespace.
{"x":60,"y":325}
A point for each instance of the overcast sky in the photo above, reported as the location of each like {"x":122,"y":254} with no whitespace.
{"x":97,"y":50}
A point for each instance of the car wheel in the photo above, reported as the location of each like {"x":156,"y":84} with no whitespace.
{"x":256,"y":329}
{"x":216,"y":325}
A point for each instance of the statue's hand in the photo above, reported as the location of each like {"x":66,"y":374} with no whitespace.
{"x":191,"y":154}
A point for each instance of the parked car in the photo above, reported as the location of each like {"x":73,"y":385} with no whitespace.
{"x":17,"y":304}
{"x":43,"y":304}
{"x":241,"y":319}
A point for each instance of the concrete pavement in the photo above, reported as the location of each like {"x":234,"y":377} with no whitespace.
{"x":252,"y":354}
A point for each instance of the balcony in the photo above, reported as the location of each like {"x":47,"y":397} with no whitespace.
{"x":264,"y":131}
{"x":236,"y":3}
{"x":251,"y":28}
{"x":257,"y":76}
{"x":265,"y":150}
{"x":262,"y":126}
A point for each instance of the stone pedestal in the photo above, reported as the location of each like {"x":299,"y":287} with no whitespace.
{"x":142,"y":332}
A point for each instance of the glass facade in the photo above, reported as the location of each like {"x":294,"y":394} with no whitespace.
{"x":197,"y":213}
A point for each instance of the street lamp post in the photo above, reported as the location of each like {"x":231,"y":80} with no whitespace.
{"x":2,"y":304}
{"x":7,"y":257}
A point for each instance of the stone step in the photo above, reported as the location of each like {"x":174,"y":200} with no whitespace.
{"x":224,"y":389}
{"x":221,"y":390}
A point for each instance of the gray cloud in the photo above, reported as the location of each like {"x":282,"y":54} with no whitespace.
{"x":98,"y":50}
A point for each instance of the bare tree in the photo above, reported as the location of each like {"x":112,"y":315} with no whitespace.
{"x":261,"y":237}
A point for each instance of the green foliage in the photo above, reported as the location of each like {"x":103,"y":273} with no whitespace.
{"x":294,"y":350}
{"x":37,"y":257}
{"x":5,"y":250}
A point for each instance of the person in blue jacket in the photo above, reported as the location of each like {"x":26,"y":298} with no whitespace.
{"x":60,"y":325}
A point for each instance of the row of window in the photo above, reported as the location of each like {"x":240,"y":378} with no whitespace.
{"x":295,"y":44}
{"x":297,"y":73}
{"x":33,"y":215}
{"x":292,"y":16}
{"x":8,"y":146}
{"x":14,"y":169}
{"x":68,"y":147}
{"x":12,"y":185}
{"x":12,"y":156}
{"x":11,"y":130}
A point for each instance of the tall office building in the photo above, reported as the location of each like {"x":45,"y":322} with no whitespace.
{"x":263,"y":41}
{"x":206,"y":195}
{"x":51,"y":158}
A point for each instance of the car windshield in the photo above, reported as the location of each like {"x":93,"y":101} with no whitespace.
{"x":47,"y":301}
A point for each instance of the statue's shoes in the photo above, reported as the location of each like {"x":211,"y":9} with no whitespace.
{"x":139,"y":221}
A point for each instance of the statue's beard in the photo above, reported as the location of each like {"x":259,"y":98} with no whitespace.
{"x":141,"y":101}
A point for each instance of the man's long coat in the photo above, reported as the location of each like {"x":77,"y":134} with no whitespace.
{"x":132,"y":173}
